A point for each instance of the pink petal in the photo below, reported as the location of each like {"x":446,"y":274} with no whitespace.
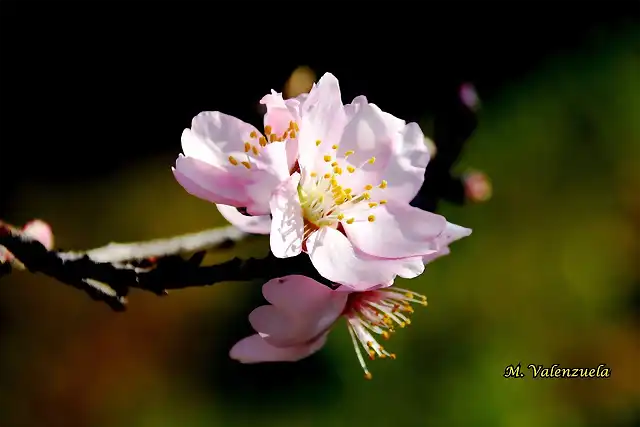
{"x":254,"y":349}
{"x":322,"y":118}
{"x":337,"y":260}
{"x":217,"y":139}
{"x":287,"y":225}
{"x":393,"y":123}
{"x":278,"y":327}
{"x":408,"y":268}
{"x":279,"y":115}
{"x":264,"y":183}
{"x":430,"y":258}
{"x":296,"y":293}
{"x":451,"y":233}
{"x":367,"y":135}
{"x":220,"y":133}
{"x":399,"y":231}
{"x":405,"y":172}
{"x":249,"y":224}
{"x":210,"y":183}
{"x":41,"y":231}
{"x":315,"y":306}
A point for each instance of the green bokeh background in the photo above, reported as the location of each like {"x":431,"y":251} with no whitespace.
{"x":547,"y":277}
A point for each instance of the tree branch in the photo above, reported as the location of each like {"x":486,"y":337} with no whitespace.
{"x":110,"y":281}
{"x":107,"y":273}
{"x":193,"y":242}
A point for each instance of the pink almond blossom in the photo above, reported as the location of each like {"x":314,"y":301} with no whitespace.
{"x":303,"y":311}
{"x":348,"y":206}
{"x":230,"y":162}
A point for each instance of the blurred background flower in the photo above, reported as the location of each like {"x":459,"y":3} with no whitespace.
{"x":92,"y":114}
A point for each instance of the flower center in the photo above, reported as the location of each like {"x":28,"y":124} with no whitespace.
{"x":325,"y":202}
{"x":378,"y":312}
{"x":257,"y":142}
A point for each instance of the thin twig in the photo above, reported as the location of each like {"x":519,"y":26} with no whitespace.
{"x":193,"y":242}
{"x":110,"y":282}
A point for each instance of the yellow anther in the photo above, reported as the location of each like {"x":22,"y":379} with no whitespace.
{"x":347,"y":191}
{"x":334,"y":182}
{"x":318,"y":142}
{"x":247,"y":147}
{"x":351,"y":169}
{"x":371,"y":160}
{"x":402,"y":324}
{"x":349,"y":197}
{"x":383,"y":356}
{"x":393,"y":356}
{"x":367,"y":375}
{"x":383,"y":184}
{"x":334,"y":146}
{"x":408,"y":322}
{"x":273,"y":137}
{"x":246,"y":165}
{"x":371,"y":218}
{"x":327,"y":158}
{"x":263,"y":141}
{"x":383,"y":202}
{"x":368,"y":187}
{"x":295,"y":127}
{"x":334,"y":164}
{"x":409,"y":295}
{"x":253,"y":134}
{"x":292,"y":135}
{"x":327,"y":175}
{"x":337,"y":170}
{"x":268,"y":129}
{"x":372,"y":204}
{"x":350,"y":220}
{"x":254,"y":149}
{"x":340,"y":217}
{"x":349,"y":152}
{"x":233,"y":161}
{"x":366,"y":196}
{"x":313,"y":174}
{"x":291,"y":124}
{"x":386,"y":335}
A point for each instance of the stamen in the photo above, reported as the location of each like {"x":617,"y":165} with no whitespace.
{"x":371,"y":218}
{"x":376,"y":312}
{"x":246,"y":165}
{"x":327,"y":158}
{"x":247,"y":147}
{"x":253,"y":134}
{"x":233,"y":161}
{"x":268,"y":129}
{"x":318,"y":142}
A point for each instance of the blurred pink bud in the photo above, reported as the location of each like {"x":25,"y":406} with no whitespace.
{"x":477,"y":187}
{"x":41,"y":231}
{"x":36,"y":229}
{"x":469,"y":96}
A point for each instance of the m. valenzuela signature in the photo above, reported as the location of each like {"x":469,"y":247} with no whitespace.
{"x":555,"y":371}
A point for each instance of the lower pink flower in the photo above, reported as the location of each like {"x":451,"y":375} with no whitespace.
{"x":303,"y":311}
